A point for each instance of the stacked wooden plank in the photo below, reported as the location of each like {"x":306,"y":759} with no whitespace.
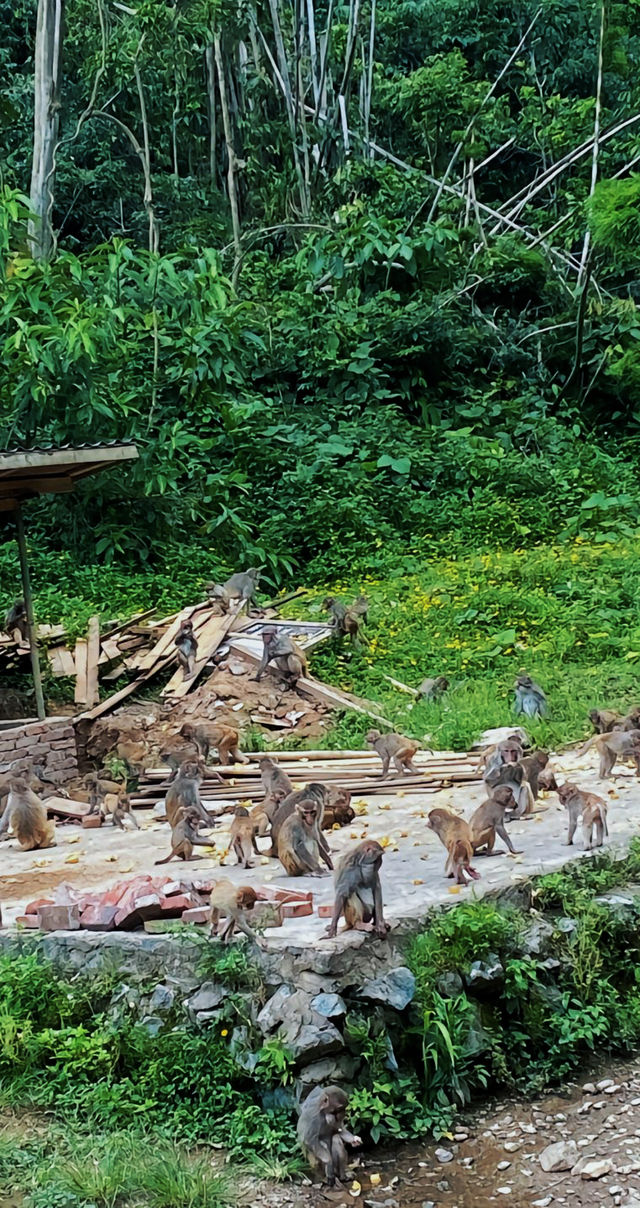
{"x":358,"y":771}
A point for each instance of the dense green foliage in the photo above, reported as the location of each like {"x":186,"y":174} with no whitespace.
{"x":391,"y":364}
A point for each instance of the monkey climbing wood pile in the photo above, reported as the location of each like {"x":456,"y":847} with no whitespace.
{"x":358,"y":771}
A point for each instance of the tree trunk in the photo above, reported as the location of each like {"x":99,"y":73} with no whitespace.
{"x":46,"y":120}
{"x":231,"y":160}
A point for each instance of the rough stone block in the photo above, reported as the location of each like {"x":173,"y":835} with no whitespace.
{"x":266,"y":914}
{"x":59,"y":918}
{"x":91,"y":821}
{"x":28,"y":920}
{"x":98,"y":918}
{"x":196,"y":914}
{"x":296,"y":910}
{"x":179,"y":902}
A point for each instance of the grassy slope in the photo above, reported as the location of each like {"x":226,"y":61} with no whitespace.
{"x":569,"y":614}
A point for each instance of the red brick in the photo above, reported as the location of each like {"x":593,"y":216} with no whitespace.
{"x":179,"y":902}
{"x":296,"y":910}
{"x":91,"y":821}
{"x":59,"y":918}
{"x":112,"y":896}
{"x":325,"y":912}
{"x":274,"y":894}
{"x":27,"y":920}
{"x":98,"y":918}
{"x":197,"y":914}
{"x":133,"y":913}
{"x":33,"y":907}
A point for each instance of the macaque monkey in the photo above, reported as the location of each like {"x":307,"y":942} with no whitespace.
{"x":184,"y":793}
{"x":175,"y":753}
{"x":186,"y":644}
{"x":231,"y":901}
{"x":27,"y":817}
{"x":632,"y":720}
{"x":488,"y":821}
{"x":241,"y":586}
{"x":299,"y":843}
{"x":344,"y":622}
{"x":530,"y":699}
{"x":321,"y":795}
{"x":533,"y":766}
{"x":184,"y":836}
{"x":515,"y":777}
{"x":394,"y":747}
{"x":611,"y":747}
{"x":274,"y":780}
{"x":208,"y":734}
{"x":594,"y":815}
{"x":547,"y":781}
{"x":360,"y":608}
{"x":110,"y":799}
{"x":16,"y":619}
{"x":243,"y":837}
{"x":264,"y":812}
{"x":358,"y":892}
{"x":510,"y":750}
{"x":322,"y":1134}
{"x":455,"y":834}
{"x":605,"y":720}
{"x":338,"y":812}
{"x":279,"y":649}
{"x":134,"y":754}
{"x":432,"y":689}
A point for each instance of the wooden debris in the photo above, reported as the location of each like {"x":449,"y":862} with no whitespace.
{"x":93,"y":655}
{"x":80,"y":695}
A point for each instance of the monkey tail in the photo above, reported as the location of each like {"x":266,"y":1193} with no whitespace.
{"x":589,"y":743}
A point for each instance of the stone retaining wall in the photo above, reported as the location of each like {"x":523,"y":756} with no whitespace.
{"x":51,"y":743}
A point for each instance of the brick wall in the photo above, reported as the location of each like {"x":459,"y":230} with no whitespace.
{"x":51,"y":743}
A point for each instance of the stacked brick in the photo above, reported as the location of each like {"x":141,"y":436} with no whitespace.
{"x":149,"y":902}
{"x":50,"y":743}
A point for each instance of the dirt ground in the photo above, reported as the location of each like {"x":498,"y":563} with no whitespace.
{"x":412,"y":875}
{"x":496,"y":1158}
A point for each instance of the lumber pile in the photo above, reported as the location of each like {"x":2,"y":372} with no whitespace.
{"x":358,"y":771}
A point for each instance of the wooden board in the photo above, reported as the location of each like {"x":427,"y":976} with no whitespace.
{"x":93,"y":655}
{"x":80,"y":695}
{"x":209,"y":638}
{"x":164,"y":645}
{"x":61,"y":660}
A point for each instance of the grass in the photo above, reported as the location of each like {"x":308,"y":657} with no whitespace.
{"x":568,"y":613}
{"x":67,"y":1169}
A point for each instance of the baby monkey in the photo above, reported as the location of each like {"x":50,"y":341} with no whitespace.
{"x":594,"y":815}
{"x":322,"y":1133}
{"x":231,"y":902}
{"x":243,"y":837}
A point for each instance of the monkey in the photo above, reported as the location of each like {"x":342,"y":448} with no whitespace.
{"x":488,"y":821}
{"x":231,"y":901}
{"x":224,"y":738}
{"x":322,"y":795}
{"x":530,"y":698}
{"x":299,"y":846}
{"x":533,"y":765}
{"x":338,"y":813}
{"x":186,"y":644}
{"x":455,"y":834}
{"x":394,"y":747}
{"x":110,"y":799}
{"x":432,"y":689}
{"x":134,"y":754}
{"x":358,"y":891}
{"x":288,"y":658}
{"x":176,"y":753}
{"x":547,"y":781}
{"x":322,"y":1134}
{"x":16,"y":618}
{"x":632,"y":720}
{"x":27,"y":816}
{"x":611,"y":747}
{"x":344,"y":622}
{"x":184,"y":836}
{"x":274,"y":780}
{"x":360,"y":609}
{"x":594,"y":815}
{"x":605,"y":720}
{"x":243,"y":837}
{"x":510,"y":750}
{"x":184,"y":793}
{"x":515,"y":777}
{"x":263,"y":814}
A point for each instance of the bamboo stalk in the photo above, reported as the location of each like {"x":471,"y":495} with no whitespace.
{"x":231,"y":160}
{"x":582,"y":275}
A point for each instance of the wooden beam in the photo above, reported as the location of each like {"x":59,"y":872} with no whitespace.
{"x":80,"y":695}
{"x":93,"y":656}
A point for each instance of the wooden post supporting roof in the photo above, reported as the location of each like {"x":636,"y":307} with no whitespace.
{"x":27,"y":473}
